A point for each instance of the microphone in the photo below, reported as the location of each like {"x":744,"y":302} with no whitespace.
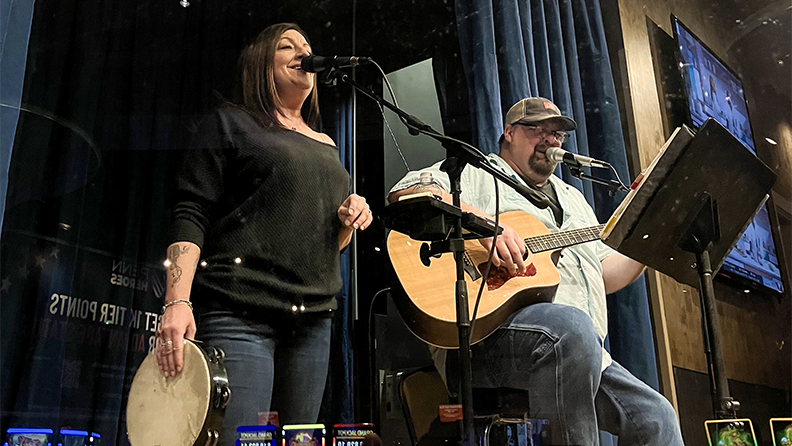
{"x":315,"y":64}
{"x":560,"y":155}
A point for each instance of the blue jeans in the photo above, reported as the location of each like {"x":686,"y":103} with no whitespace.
{"x":553,"y":352}
{"x":278,"y":364}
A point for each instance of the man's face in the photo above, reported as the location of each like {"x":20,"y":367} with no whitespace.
{"x":525,"y":151}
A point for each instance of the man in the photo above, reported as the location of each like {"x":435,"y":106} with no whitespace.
{"x":554,"y":350}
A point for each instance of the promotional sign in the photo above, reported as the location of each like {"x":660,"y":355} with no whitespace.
{"x":351,"y":434}
{"x":71,"y":437}
{"x":28,"y":437}
{"x":256,"y":435}
{"x":303,"y":435}
{"x":737,"y":432}
{"x":781,"y":429}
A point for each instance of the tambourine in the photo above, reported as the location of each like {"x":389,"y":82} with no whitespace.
{"x":185,"y":410}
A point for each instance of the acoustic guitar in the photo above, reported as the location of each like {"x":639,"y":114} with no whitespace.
{"x":429,"y":308}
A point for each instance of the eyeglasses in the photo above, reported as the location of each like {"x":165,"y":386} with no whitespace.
{"x":542,"y":132}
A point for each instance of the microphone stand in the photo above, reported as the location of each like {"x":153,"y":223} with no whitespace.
{"x":612,"y":185}
{"x":458,"y":154}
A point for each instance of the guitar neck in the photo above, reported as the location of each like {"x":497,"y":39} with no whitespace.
{"x":559,"y":240}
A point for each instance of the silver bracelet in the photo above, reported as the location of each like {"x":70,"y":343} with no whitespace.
{"x":177,"y":301}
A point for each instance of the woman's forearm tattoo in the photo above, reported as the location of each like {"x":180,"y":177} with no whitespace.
{"x":173,"y":254}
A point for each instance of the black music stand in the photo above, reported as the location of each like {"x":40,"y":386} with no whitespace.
{"x":687,"y":215}
{"x":431,"y":219}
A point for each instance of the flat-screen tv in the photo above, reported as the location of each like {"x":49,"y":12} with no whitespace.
{"x":715,"y":91}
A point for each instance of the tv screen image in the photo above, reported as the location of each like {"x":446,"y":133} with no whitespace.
{"x":714,"y":91}
{"x":754,"y":255}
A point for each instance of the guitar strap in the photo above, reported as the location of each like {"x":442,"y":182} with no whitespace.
{"x":548,"y":190}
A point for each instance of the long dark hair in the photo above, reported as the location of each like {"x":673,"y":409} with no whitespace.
{"x":259,"y":95}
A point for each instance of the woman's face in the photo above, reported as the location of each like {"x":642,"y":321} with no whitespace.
{"x":291,"y":49}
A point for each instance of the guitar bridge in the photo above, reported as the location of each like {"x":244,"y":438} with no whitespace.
{"x":470,"y":269}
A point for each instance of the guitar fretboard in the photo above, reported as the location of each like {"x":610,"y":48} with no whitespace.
{"x":560,"y":240}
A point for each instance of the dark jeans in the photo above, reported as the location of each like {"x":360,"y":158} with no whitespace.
{"x":280,"y":364}
{"x":553,"y":352}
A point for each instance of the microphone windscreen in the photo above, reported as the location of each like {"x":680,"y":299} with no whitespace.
{"x":555,"y":154}
{"x":312,"y":63}
{"x":372,"y":439}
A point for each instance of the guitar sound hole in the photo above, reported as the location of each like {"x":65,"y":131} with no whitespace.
{"x":499,"y":276}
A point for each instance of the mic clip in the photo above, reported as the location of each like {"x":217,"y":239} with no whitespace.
{"x":575,"y":169}
{"x":613,"y":186}
{"x":328,"y":77}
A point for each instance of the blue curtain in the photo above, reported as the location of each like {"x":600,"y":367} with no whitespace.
{"x":338,"y":405}
{"x":15,"y":20}
{"x":512,"y":49}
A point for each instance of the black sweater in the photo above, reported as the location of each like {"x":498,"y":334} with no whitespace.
{"x":268,"y":198}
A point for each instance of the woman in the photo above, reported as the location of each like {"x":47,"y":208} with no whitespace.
{"x":263,"y":206}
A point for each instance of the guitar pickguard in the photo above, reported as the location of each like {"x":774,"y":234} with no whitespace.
{"x":498,"y":276}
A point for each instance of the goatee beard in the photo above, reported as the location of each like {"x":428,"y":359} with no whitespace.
{"x":543,"y":167}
